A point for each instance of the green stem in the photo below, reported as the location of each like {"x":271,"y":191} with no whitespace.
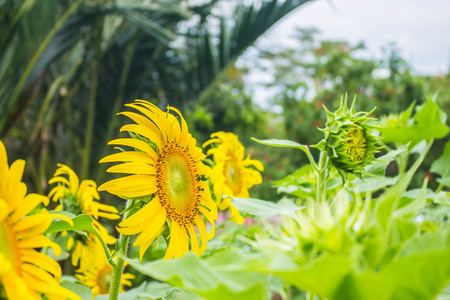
{"x":321,"y":177}
{"x":106,"y":250}
{"x":117,"y":272}
{"x":35,"y":58}
{"x":402,"y":162}
{"x":118,"y":268}
{"x":439,"y":188}
{"x":311,"y":159}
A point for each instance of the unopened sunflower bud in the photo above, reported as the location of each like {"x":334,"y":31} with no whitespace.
{"x":350,"y":139}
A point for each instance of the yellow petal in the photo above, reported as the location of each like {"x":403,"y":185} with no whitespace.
{"x":131,"y":186}
{"x":131,"y":156}
{"x":137,"y":144}
{"x":39,"y":241}
{"x":145,"y":132}
{"x":43,"y":261}
{"x":174,"y":241}
{"x":28,"y":204}
{"x":133,"y":168}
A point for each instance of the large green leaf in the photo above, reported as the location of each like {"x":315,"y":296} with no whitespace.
{"x":154,"y":290}
{"x":420,"y":271}
{"x":288,"y":144}
{"x":321,"y":275}
{"x":301,"y":183}
{"x":217,"y":276}
{"x":390,"y":200}
{"x":441,"y":166}
{"x":83,"y":291}
{"x":428,"y":123}
{"x":260,"y":209}
{"x":378,"y":168}
{"x":281,"y":143}
{"x":81,"y":222}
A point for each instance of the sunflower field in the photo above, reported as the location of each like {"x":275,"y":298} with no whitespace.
{"x":135,"y":163}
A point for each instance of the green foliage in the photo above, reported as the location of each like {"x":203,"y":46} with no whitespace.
{"x":441,"y":166}
{"x":386,"y":260}
{"x":260,"y":210}
{"x":347,"y":248}
{"x":81,"y":223}
{"x":217,"y":276}
{"x":154,"y":290}
{"x":427,"y":124}
{"x":81,"y":290}
{"x":69,"y":66}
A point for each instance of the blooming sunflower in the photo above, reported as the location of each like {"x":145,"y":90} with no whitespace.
{"x":166,"y":168}
{"x":24,"y":272}
{"x":97,"y":275}
{"x":232,"y":175}
{"x":80,"y":198}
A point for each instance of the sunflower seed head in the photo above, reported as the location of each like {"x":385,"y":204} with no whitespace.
{"x":350,"y":139}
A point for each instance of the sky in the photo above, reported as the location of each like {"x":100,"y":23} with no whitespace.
{"x":421,"y":29}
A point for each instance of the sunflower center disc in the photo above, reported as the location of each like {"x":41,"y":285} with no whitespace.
{"x":356,"y":144}
{"x":232,"y":174}
{"x":180,"y":187}
{"x":104,"y":279}
{"x":9,"y":245}
{"x":176,"y":179}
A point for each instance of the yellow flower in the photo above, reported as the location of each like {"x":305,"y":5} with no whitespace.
{"x":168,"y":166}
{"x":24,"y":272}
{"x":231,"y":174}
{"x":80,"y":198}
{"x":97,"y":276}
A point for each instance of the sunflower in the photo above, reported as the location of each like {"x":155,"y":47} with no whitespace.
{"x":232,"y":175}
{"x":24,"y":272}
{"x":168,"y":174}
{"x":80,"y":198}
{"x":350,"y":140}
{"x":97,"y":275}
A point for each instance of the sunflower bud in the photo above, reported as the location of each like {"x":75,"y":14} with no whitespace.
{"x":350,"y":139}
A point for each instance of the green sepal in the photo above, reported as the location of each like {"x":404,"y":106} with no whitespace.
{"x":342,"y":127}
{"x":149,"y":142}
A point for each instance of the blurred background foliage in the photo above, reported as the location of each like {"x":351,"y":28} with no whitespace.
{"x":67,"y":68}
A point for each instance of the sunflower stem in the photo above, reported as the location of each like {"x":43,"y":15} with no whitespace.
{"x":322,"y":176}
{"x":439,"y":188}
{"x":120,"y":263}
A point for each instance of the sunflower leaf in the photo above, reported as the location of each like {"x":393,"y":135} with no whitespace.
{"x":428,"y":123}
{"x":83,"y":291}
{"x":81,"y":222}
{"x":288,"y":144}
{"x":441,"y":166}
{"x":215,"y":276}
{"x":154,"y":290}
{"x":260,"y":209}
